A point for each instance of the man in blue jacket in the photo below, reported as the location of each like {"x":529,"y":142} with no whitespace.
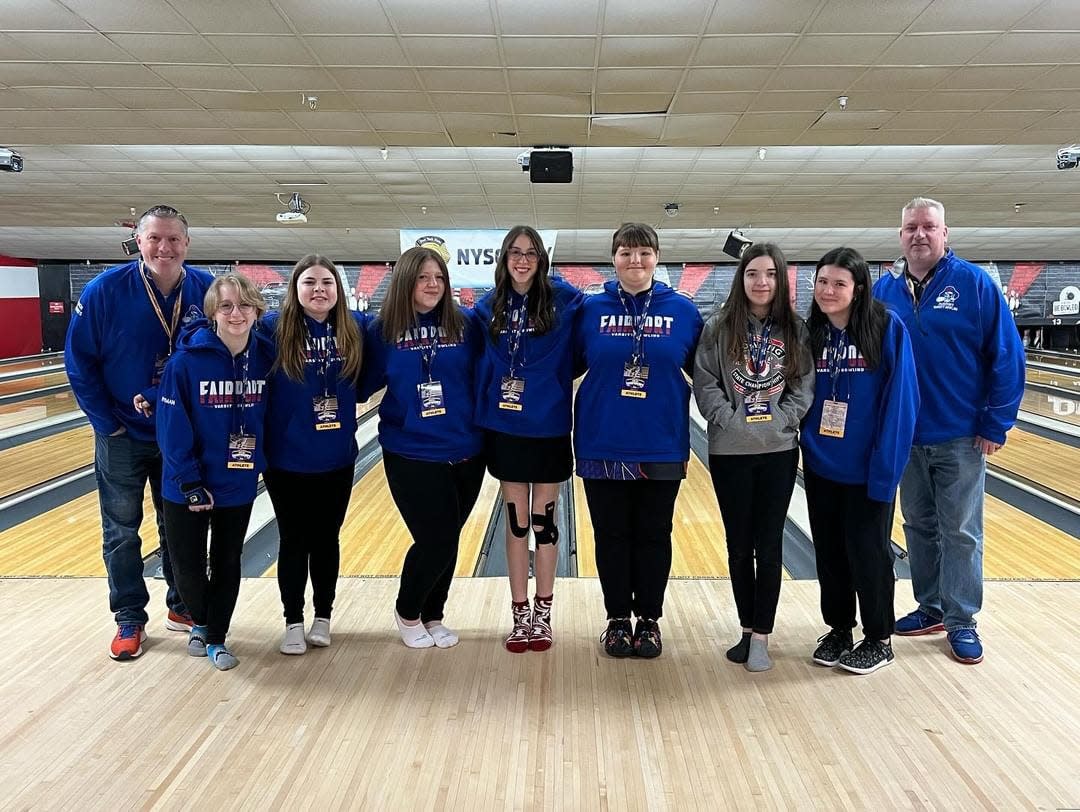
{"x":122,"y":332}
{"x":970,"y":365}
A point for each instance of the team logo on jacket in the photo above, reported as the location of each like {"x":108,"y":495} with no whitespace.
{"x":222,"y":394}
{"x":612,"y":324}
{"x":850,"y":361}
{"x":946,"y":300}
{"x":766,"y":381}
{"x":419,"y":338}
{"x":193,"y":314}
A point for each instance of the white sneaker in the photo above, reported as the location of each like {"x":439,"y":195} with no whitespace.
{"x":443,"y":636}
{"x":320,"y":632}
{"x":413,"y":636}
{"x":293,"y":641}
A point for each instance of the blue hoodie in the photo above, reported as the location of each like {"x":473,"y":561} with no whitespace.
{"x":882,"y":406}
{"x":656,"y":428}
{"x":544,"y":362}
{"x":115,"y":339}
{"x":448,"y":437}
{"x":197,"y":411}
{"x":292,"y":441}
{"x":968,"y":352}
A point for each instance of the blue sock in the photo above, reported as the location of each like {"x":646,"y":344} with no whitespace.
{"x":220,"y":657}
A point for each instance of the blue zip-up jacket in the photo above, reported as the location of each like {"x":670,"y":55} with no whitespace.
{"x":292,"y":441}
{"x":115,"y":339}
{"x":544,"y":362}
{"x":449,"y":437}
{"x":968,"y":352}
{"x":199,"y":407}
{"x":656,"y":428}
{"x":883,"y":404}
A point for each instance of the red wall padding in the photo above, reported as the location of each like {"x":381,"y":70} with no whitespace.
{"x":21,"y":333}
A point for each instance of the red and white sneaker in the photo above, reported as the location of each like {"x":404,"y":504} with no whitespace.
{"x":127,"y":645}
{"x":175,"y":622}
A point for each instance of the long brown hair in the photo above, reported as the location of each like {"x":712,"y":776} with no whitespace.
{"x":398,"y":311}
{"x":736,"y":310}
{"x":291,"y":332}
{"x":541,"y":307}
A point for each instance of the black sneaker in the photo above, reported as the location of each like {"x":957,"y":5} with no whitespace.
{"x":647,"y":642}
{"x":618,"y":637}
{"x":868,"y":656}
{"x":834,"y":644}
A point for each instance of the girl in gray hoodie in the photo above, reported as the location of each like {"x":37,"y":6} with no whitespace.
{"x":753,"y":384}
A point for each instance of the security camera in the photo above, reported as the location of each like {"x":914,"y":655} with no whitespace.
{"x":671,"y":209}
{"x":1067,"y":157}
{"x":10,"y":160}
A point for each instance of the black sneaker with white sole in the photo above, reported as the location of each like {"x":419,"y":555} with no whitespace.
{"x":832,"y":646}
{"x":868,"y":656}
{"x":618,"y":637}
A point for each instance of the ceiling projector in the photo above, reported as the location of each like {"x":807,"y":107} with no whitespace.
{"x":290,"y":217}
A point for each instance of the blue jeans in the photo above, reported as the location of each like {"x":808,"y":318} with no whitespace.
{"x":122,"y":467}
{"x":941,"y":496}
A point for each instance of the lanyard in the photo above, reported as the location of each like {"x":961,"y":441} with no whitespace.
{"x":517,"y":322}
{"x":240,"y":394}
{"x":429,"y":351}
{"x":757,"y":353}
{"x":324,"y":357}
{"x":639,"y":324}
{"x":170,"y":331}
{"x":837,"y":350}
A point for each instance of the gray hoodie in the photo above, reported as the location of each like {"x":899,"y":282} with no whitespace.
{"x":721,"y":388}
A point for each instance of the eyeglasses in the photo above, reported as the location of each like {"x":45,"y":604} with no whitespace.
{"x":229,"y":307}
{"x":530,"y":256}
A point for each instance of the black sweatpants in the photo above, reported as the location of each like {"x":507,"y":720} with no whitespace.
{"x":632,"y":527}
{"x":754,"y":491}
{"x":434,"y":499}
{"x":854,"y":555}
{"x":310,"y":510}
{"x":211,"y":598}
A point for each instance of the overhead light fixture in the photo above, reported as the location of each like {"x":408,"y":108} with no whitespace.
{"x":298,"y":209}
{"x":385,"y":153}
{"x":735,"y":244}
{"x":842,"y":101}
{"x":761,"y":153}
{"x":671,"y":209}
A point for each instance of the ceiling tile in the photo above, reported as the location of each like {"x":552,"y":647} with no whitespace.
{"x":336,"y":16}
{"x":497,"y":103}
{"x":203,"y":77}
{"x":632,"y":52}
{"x":458,"y":79}
{"x":553,"y":18}
{"x":122,"y":15}
{"x":959,"y":15}
{"x":69,"y":46}
{"x":833,"y":79}
{"x":374,"y":79}
{"x":298,"y":79}
{"x":459,"y":17}
{"x":176,"y":48}
{"x":234,"y":17}
{"x":101,"y":75}
{"x":533,"y":50}
{"x":552,"y":103}
{"x":463,"y":52}
{"x":616,"y":80}
{"x":855,"y":16}
{"x":835,"y":49}
{"x":550,"y":81}
{"x":263,"y":49}
{"x":741,"y":51}
{"x":40,"y":15}
{"x":760,"y":17}
{"x":905,"y":78}
{"x":1026,"y":47}
{"x":375,"y":51}
{"x":640,"y":17}
{"x":712,"y":102}
{"x":938,"y":49}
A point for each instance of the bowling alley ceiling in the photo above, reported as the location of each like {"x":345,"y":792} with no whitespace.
{"x":859,"y":104}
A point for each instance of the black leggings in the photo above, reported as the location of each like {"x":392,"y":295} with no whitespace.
{"x":211,"y":598}
{"x":853,"y":548}
{"x":434,"y":499}
{"x":754,"y":491}
{"x":632,"y":527}
{"x":310,"y":510}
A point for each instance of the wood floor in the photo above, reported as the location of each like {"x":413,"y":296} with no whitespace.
{"x":370,"y":724}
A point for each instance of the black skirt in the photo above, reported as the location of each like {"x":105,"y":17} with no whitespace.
{"x":528,"y":459}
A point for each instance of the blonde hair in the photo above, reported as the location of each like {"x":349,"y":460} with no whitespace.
{"x":245,"y":289}
{"x":923,"y":203}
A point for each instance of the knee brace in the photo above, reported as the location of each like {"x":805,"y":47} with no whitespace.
{"x":519,"y":531}
{"x":544,"y":526}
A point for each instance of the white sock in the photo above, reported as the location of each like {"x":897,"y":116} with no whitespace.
{"x":293,"y":641}
{"x":444,"y":637}
{"x":413,"y":636}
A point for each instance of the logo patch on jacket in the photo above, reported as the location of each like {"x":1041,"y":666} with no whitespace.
{"x":946,"y":300}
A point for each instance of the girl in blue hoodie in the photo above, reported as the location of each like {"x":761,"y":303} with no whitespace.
{"x":524,"y":390}
{"x":423,"y":348}
{"x":856,"y":439}
{"x":632,"y":433}
{"x":310,"y":440}
{"x":212,"y":402}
